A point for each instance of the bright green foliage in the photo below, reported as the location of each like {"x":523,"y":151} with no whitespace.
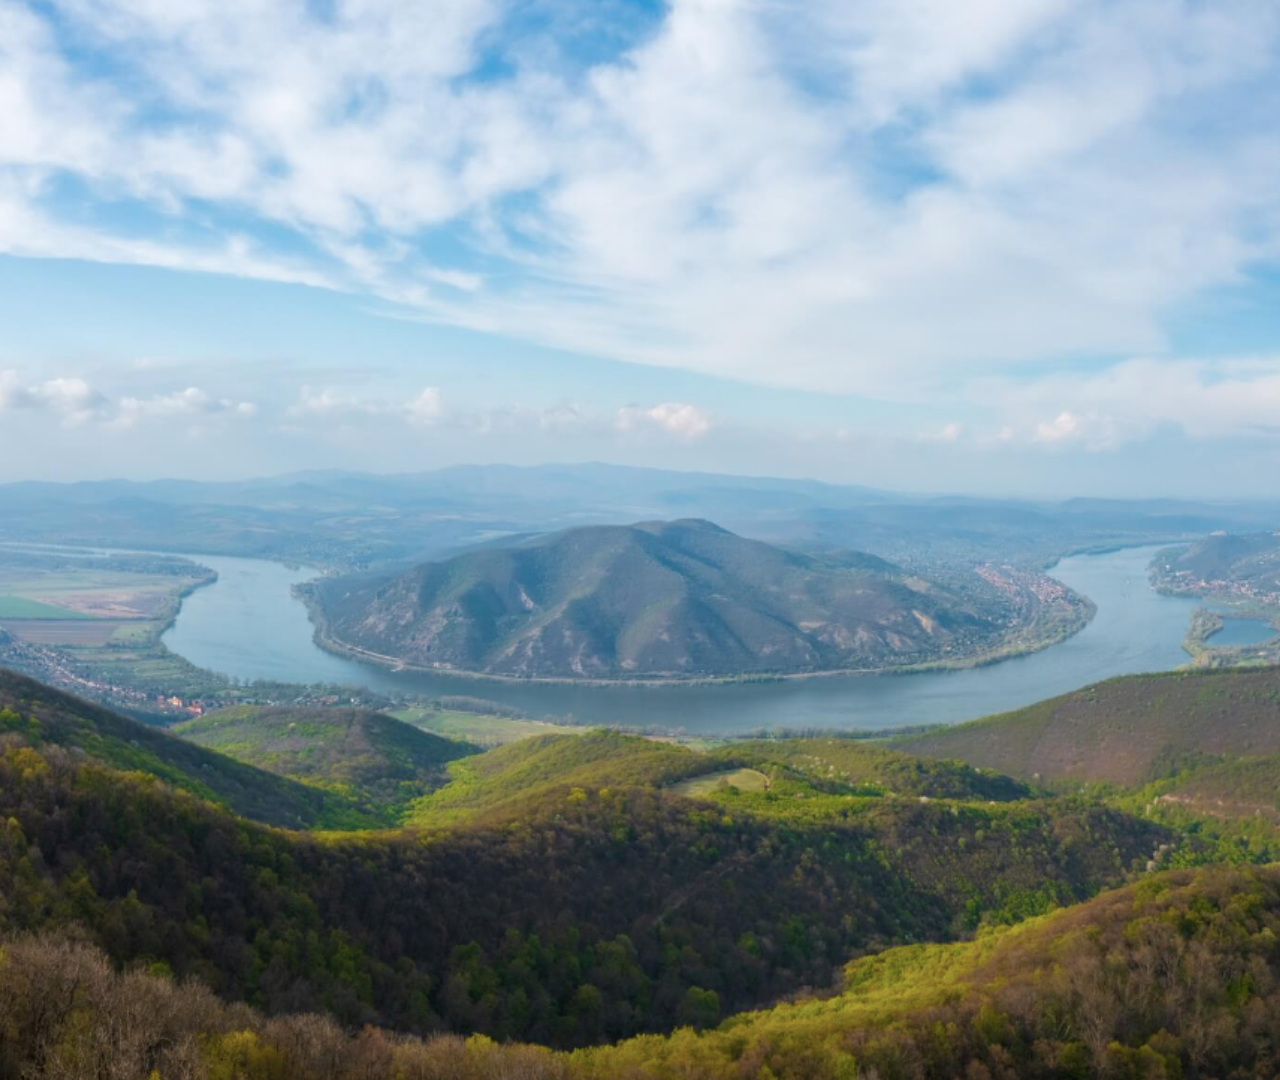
{"x":499,"y":783}
{"x":568,"y":912}
{"x":1175,"y":978}
{"x":851,"y":766}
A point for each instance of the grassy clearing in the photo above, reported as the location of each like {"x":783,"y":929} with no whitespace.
{"x":487,"y":731}
{"x":742,"y":779}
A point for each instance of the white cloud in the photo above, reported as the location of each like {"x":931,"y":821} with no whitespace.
{"x":427,"y":407}
{"x":1136,"y":399}
{"x":802,"y":193}
{"x":673,"y":418}
{"x":76,"y":402}
{"x":948,"y":433}
{"x":191,"y":402}
{"x":71,"y":399}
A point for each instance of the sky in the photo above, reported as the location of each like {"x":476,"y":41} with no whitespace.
{"x":1023,"y":247}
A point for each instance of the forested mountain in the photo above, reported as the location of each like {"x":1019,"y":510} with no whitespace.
{"x":682,"y":598}
{"x":565,"y":891}
{"x":594,"y":916}
{"x":372,"y":759}
{"x":1177,"y":977}
{"x":575,"y":890}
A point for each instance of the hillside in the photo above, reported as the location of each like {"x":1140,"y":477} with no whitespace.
{"x":500,"y":783}
{"x":497,"y":785}
{"x":363,"y":755}
{"x":565,"y":909}
{"x":852,"y":764}
{"x":1222,"y":558}
{"x":47,"y":717}
{"x":682,"y":598}
{"x":1124,"y":731}
{"x":1242,"y":788}
{"x":1174,"y":977}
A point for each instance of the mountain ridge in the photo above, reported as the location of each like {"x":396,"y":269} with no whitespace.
{"x":676,"y":599}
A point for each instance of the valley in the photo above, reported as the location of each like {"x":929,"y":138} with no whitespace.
{"x":639,"y":540}
{"x":633,"y":816}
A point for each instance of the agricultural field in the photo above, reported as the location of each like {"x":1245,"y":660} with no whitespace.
{"x":92,"y":621}
{"x":47,"y":596}
{"x":21,"y":607}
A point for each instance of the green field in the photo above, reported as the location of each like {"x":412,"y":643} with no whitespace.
{"x":19,"y":607}
{"x":742,"y":779}
{"x":479,"y":729}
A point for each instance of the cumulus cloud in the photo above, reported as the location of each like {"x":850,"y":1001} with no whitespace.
{"x":76,"y":402}
{"x":425,"y":408}
{"x":804,"y":193}
{"x":71,"y":399}
{"x":671,"y":417}
{"x":191,"y":402}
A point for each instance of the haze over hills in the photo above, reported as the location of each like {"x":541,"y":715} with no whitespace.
{"x":683,"y":598}
{"x":359,"y":520}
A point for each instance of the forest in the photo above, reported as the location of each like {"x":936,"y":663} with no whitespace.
{"x":558,"y":906}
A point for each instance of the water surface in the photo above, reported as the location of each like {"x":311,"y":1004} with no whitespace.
{"x":248,"y":625}
{"x":1241,"y":633}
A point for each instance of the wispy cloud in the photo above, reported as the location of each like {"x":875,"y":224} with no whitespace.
{"x":806,"y":193}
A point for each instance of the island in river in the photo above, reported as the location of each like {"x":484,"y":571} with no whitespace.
{"x":684,"y":600}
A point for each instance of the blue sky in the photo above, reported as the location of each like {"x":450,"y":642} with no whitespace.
{"x":1023,"y":247}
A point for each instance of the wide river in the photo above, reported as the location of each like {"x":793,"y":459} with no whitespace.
{"x":248,"y":625}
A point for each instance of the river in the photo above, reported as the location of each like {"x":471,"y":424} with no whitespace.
{"x":249,"y":625}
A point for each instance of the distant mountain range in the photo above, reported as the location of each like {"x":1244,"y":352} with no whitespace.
{"x":684,"y":598}
{"x":356,"y":521}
